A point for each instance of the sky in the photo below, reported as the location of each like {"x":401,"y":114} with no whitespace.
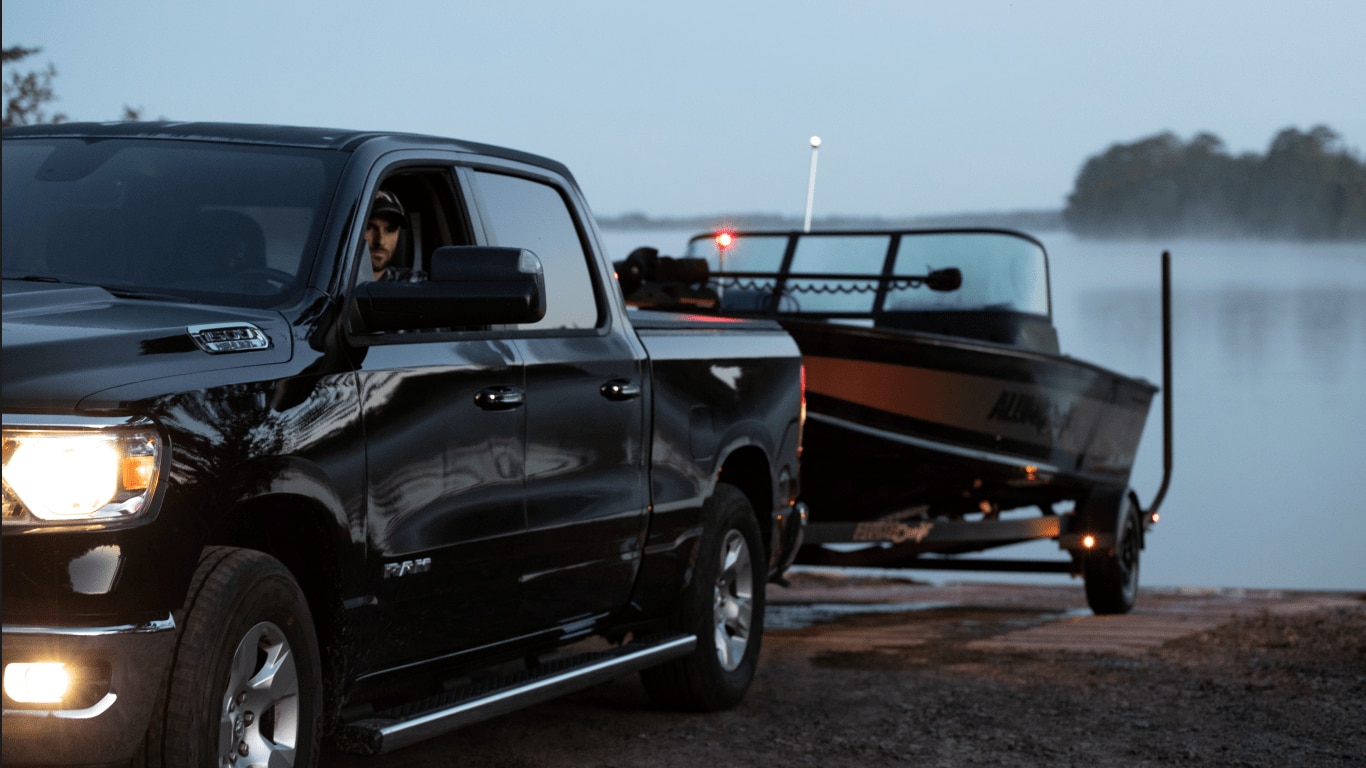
{"x":705,"y":108}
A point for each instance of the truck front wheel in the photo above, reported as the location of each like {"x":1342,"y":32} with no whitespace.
{"x":723,"y":606}
{"x":243,"y":689}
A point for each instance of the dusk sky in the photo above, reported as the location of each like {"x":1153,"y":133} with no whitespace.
{"x":706,"y":107}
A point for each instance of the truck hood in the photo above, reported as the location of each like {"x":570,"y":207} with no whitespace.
{"x":63,"y":343}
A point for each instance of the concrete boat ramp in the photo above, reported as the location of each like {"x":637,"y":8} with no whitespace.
{"x":852,"y":611}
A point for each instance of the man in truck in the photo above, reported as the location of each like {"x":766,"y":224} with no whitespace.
{"x":382,"y":235}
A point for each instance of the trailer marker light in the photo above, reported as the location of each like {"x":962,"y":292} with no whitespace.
{"x":1088,"y":541}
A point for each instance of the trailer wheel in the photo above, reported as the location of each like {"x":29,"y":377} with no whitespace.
{"x":723,"y":606}
{"x":1112,"y":576}
{"x":244,"y":687}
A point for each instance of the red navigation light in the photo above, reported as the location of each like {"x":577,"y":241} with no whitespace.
{"x":725,"y":240}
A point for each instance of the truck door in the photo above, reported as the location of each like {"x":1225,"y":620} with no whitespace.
{"x":444,"y":464}
{"x":585,"y":409}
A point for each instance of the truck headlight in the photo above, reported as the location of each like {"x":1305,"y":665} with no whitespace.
{"x":77,"y":470}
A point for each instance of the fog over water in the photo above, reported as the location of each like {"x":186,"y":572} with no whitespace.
{"x":1269,"y":355}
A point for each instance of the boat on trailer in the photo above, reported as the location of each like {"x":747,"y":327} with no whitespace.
{"x":942,"y":417}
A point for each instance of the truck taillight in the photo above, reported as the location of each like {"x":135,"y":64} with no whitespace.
{"x":801,"y":421}
{"x":725,"y":239}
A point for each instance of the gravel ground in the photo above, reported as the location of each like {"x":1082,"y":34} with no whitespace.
{"x":924,"y":682}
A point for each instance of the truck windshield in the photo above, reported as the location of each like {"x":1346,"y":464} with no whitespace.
{"x":208,"y":222}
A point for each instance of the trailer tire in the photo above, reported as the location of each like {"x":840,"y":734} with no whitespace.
{"x":245,"y":683}
{"x":1112,"y":576}
{"x":723,"y":605}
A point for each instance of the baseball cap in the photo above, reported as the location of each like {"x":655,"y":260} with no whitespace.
{"x":386,"y":204}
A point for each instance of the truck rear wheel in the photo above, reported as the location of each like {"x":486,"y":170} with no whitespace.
{"x":1112,"y":577}
{"x":244,"y":687}
{"x":723,"y":606}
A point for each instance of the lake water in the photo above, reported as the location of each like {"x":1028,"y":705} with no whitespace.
{"x":1269,"y":355}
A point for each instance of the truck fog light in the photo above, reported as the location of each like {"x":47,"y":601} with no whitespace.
{"x":37,"y":683}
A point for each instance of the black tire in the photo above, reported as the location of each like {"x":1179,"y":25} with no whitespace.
{"x":245,"y":620}
{"x":1112,"y":576}
{"x":723,"y":606}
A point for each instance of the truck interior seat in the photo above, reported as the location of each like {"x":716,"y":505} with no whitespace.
{"x":218,"y":243}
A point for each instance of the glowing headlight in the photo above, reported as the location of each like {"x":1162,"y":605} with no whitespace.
{"x":79,"y":471}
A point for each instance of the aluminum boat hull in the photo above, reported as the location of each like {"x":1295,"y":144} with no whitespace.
{"x":903,"y":424}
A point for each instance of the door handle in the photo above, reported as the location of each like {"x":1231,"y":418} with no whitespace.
{"x":620,"y":389}
{"x":500,"y":398}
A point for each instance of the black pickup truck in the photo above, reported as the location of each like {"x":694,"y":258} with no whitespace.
{"x":257,"y":495}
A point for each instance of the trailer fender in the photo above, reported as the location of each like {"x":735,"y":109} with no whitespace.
{"x":1098,"y":519}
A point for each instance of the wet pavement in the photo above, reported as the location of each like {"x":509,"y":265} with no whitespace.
{"x":823,"y":606}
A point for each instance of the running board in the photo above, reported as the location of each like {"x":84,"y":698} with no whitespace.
{"x":402,"y":726}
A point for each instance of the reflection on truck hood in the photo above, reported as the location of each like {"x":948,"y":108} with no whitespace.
{"x":63,"y":343}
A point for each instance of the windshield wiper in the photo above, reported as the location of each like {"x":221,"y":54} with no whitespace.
{"x":122,"y":293}
{"x":150,"y":295}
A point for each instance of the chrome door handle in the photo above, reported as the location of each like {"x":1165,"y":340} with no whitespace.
{"x":620,"y":389}
{"x":500,"y":398}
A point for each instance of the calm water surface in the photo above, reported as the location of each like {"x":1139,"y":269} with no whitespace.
{"x":1269,"y":350}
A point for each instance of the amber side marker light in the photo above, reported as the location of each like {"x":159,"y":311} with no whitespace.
{"x":136,"y":472}
{"x":1089,"y":542}
{"x":43,"y":682}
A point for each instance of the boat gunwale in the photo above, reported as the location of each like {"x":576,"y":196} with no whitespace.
{"x":958,"y":342}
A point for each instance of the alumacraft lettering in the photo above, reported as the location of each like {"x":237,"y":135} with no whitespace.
{"x":1046,"y":416}
{"x":897,"y":533}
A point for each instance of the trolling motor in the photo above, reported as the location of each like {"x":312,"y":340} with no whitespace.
{"x":663,"y":282}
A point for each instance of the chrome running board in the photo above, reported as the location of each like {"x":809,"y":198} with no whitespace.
{"x":399,"y":727}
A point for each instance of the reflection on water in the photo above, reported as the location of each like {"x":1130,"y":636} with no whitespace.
{"x":1255,"y":330}
{"x":1270,"y":400}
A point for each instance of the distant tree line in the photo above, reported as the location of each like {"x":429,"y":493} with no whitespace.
{"x":1035,"y":221}
{"x":1307,"y":186}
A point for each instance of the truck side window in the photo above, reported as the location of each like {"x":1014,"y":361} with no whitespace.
{"x":431,"y":216}
{"x":524,"y":213}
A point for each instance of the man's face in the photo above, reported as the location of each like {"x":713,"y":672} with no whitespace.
{"x":381,"y":234}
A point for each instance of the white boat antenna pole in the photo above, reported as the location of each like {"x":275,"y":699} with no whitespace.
{"x":811,"y":183}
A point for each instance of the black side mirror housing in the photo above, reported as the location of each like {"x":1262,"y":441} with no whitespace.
{"x":466,"y":286}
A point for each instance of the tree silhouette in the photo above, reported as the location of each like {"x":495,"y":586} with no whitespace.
{"x":1307,"y":186}
{"x":27,"y":93}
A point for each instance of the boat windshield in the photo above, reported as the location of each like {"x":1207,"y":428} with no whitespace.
{"x":863,"y":274}
{"x":218,"y":223}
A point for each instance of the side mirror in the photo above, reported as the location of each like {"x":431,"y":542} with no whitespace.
{"x":466,"y":286}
